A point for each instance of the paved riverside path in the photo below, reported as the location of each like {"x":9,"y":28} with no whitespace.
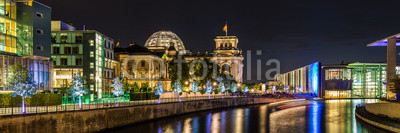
{"x":100,"y":105}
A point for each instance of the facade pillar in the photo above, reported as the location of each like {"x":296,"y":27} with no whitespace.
{"x":391,"y":67}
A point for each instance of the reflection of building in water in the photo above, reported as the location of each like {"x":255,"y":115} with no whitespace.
{"x":353,"y":80}
{"x":149,"y":64}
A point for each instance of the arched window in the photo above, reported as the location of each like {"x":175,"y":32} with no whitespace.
{"x":226,"y":68}
{"x":221,"y":45}
{"x":226,"y":44}
{"x":230,"y":44}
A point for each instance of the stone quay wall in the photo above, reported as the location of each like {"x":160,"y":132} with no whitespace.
{"x":102,"y":119}
{"x":389,"y":109}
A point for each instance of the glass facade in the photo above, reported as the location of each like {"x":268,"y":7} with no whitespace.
{"x":63,"y":77}
{"x":368,"y":80}
{"x":355,"y":80}
{"x":41,"y":70}
{"x":8,"y":27}
{"x":304,"y":80}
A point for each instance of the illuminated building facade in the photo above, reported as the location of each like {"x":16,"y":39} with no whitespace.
{"x":306,"y":79}
{"x":25,"y":38}
{"x":226,"y":54}
{"x":142,"y":66}
{"x":354,"y":80}
{"x":390,"y":43}
{"x":86,"y":51}
{"x":149,"y":64}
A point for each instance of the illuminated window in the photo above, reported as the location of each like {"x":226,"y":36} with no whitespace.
{"x":53,"y":37}
{"x":91,"y":65}
{"x":63,"y":37}
{"x":91,"y":54}
{"x":91,"y":76}
{"x":91,"y":43}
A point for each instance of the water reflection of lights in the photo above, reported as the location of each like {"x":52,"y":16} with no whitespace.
{"x":178,"y":128}
{"x":215,"y":123}
{"x":239,"y":120}
{"x":315,"y":118}
{"x":187,"y":126}
{"x":263,"y":118}
{"x":288,"y":119}
{"x":195,"y":125}
{"x":246,"y":120}
{"x":223,"y":122}
{"x":208,"y":122}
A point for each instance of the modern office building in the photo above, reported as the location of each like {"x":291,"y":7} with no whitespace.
{"x":390,"y":43}
{"x":306,"y":79}
{"x":353,"y":80}
{"x":25,"y":38}
{"x":86,"y":51}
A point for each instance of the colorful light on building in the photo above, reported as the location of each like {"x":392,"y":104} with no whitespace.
{"x":314,"y":77}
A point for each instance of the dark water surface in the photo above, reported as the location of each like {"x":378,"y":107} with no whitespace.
{"x":335,"y":116}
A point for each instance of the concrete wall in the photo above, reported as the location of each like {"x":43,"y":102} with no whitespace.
{"x":97,"y":120}
{"x":389,"y":109}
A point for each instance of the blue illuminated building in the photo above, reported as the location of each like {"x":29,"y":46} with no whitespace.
{"x":352,"y":80}
{"x":306,"y":79}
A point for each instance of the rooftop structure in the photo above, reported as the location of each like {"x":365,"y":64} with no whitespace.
{"x":390,"y":42}
{"x":161,"y":40}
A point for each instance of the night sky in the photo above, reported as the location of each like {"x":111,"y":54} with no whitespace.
{"x":297,"y":32}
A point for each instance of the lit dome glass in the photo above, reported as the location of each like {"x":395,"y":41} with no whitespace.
{"x":163,"y":39}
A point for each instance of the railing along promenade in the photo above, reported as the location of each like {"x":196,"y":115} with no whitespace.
{"x":106,"y":104}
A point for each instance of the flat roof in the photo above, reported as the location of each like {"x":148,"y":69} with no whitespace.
{"x":383,"y":42}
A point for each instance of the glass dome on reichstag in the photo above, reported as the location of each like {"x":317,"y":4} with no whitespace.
{"x":163,"y":39}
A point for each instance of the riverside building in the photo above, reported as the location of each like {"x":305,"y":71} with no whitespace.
{"x":86,"y":51}
{"x":353,"y":80}
{"x":149,"y":64}
{"x":25,"y":38}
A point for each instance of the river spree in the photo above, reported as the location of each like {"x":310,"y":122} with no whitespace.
{"x":303,"y":116}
